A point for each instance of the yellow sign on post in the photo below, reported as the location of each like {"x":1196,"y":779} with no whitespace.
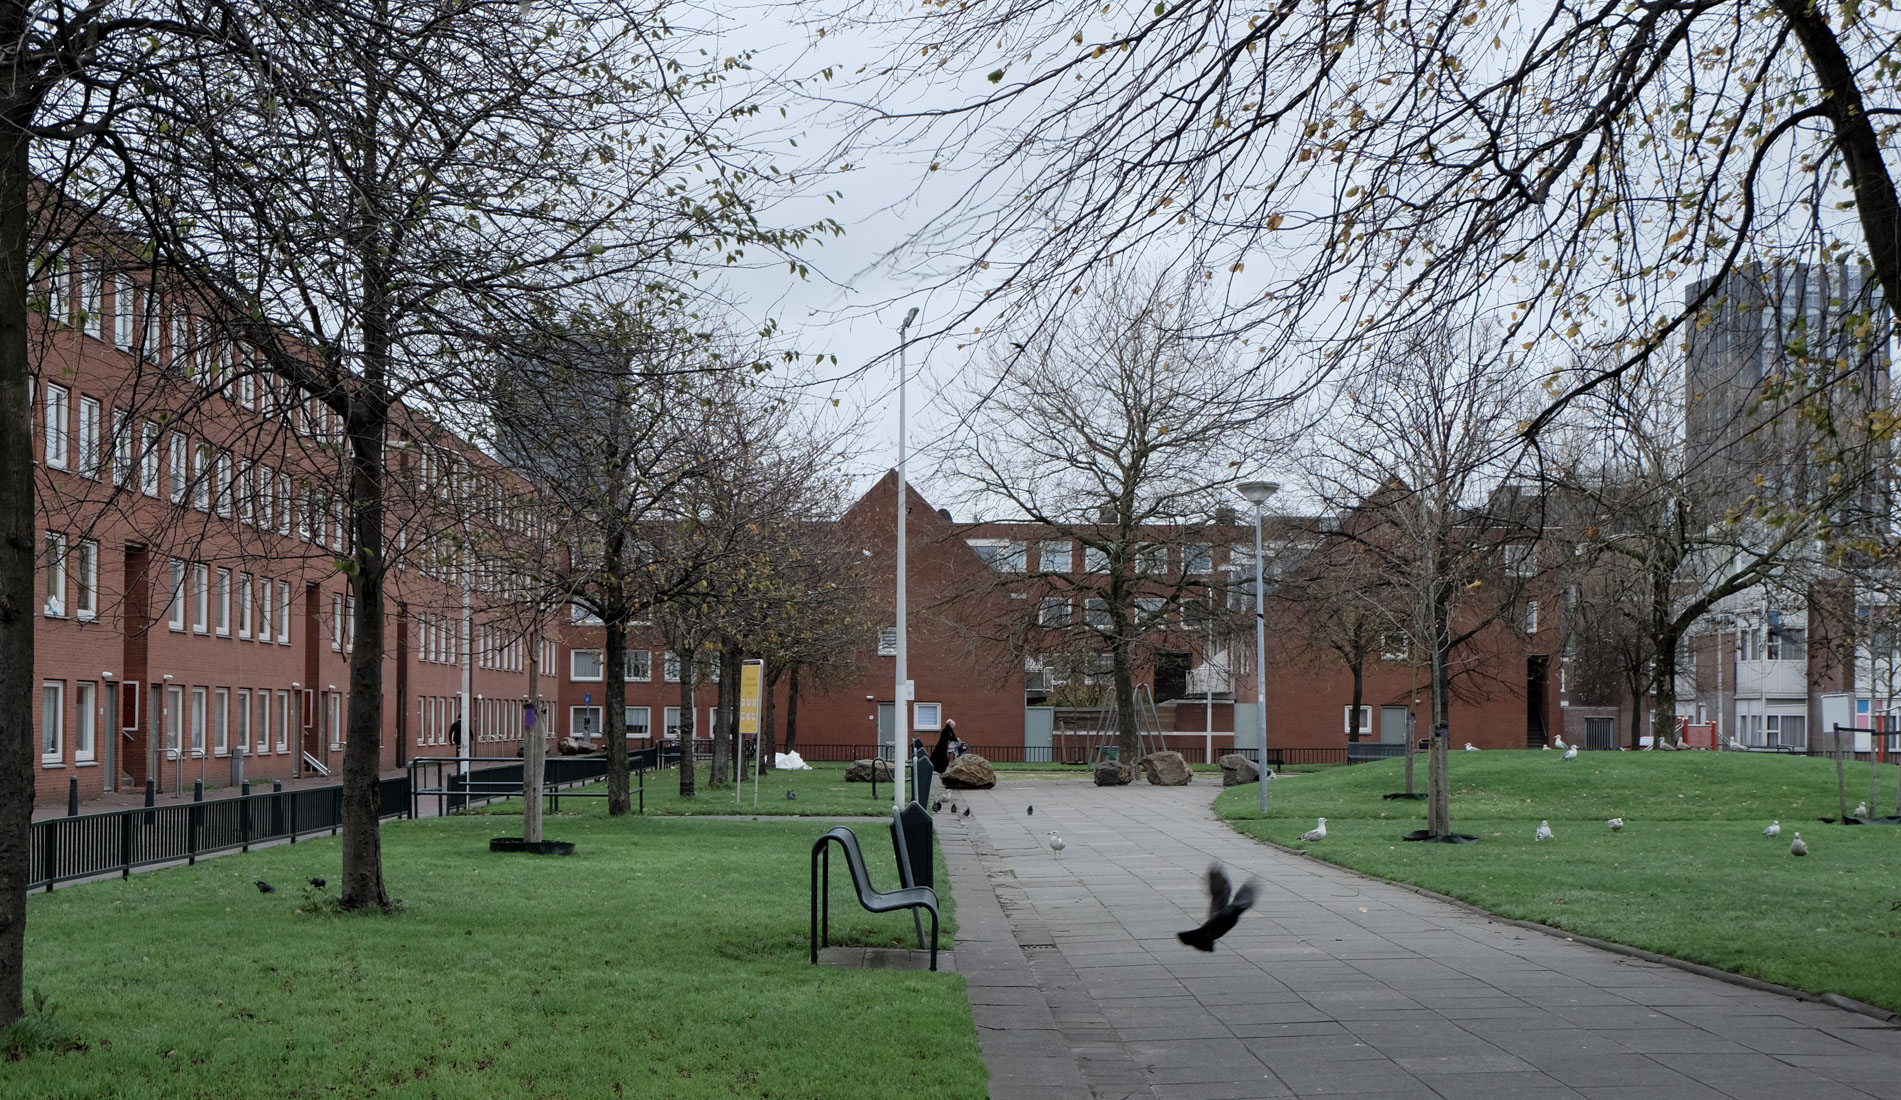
{"x":749,"y":684}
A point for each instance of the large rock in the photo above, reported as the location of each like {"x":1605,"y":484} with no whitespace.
{"x":1237,"y":769}
{"x":970,"y":772}
{"x":1113,"y":773}
{"x":861,"y":771}
{"x":1167,"y":769}
{"x":574,"y":746}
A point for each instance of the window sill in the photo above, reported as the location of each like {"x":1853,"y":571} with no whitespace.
{"x":44,"y":763}
{"x":85,"y":763}
{"x":52,"y":614}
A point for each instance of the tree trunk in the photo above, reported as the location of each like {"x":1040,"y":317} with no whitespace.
{"x":729,"y":666}
{"x":18,"y":556}
{"x":686,"y":722}
{"x":792,"y":711}
{"x":1663,"y":687}
{"x":1438,"y":784}
{"x":769,"y":714}
{"x":366,"y":420}
{"x":1359,"y":690}
{"x":1127,"y":739}
{"x":614,"y":692}
{"x":534,"y":748}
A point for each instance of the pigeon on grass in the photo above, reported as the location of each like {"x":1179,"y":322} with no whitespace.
{"x":1318,"y":832}
{"x":1543,"y":833}
{"x":1616,"y":824}
{"x":264,"y":887}
{"x":1797,"y":848}
{"x":317,"y":882}
{"x":1773,"y":829}
{"x":1225,"y":906}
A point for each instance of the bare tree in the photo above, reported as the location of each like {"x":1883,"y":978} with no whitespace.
{"x":1120,"y":432}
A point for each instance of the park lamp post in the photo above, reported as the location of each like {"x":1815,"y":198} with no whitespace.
{"x":900,"y":697}
{"x":1257,"y":493}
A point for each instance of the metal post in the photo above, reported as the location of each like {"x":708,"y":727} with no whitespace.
{"x":72,"y":797}
{"x":193,"y":818}
{"x":901,"y":704}
{"x":1257,"y":493}
{"x":244,"y":814}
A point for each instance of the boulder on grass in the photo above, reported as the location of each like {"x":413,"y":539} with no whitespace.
{"x":1167,"y":769}
{"x":574,"y":746}
{"x":1113,"y":773}
{"x":1237,"y":769}
{"x":861,"y":771}
{"x":970,"y":772}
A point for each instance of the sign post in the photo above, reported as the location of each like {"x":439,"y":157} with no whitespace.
{"x":751,"y":681}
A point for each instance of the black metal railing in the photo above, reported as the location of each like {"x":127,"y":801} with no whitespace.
{"x":65,"y":849}
{"x":441,"y":778}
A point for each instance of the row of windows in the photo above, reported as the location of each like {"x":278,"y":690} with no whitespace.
{"x":219,"y":602}
{"x":193,"y":719}
{"x":590,"y":666}
{"x":1058,"y":556}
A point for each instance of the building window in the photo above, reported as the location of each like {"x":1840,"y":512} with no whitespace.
{"x":1365,"y":725}
{"x":224,"y":603}
{"x":52,"y":721}
{"x":1053,"y":611}
{"x":584,"y":722}
{"x":671,"y":716}
{"x":283,"y":612}
{"x":927,"y":716}
{"x":1002,"y":555}
{"x":265,"y":478}
{"x":174,"y":719}
{"x":639,"y":665}
{"x":670,"y":667}
{"x":1788,"y":643}
{"x":220,"y":722}
{"x":1151,"y":613}
{"x":122,"y":315}
{"x":85,"y":720}
{"x":176,"y":616}
{"x":1096,"y":614}
{"x":263,"y":720}
{"x":241,"y":722}
{"x":1198,"y":559}
{"x":180,"y":472}
{"x":1151,"y":560}
{"x":148,"y":460}
{"x":579,"y":615}
{"x":197,"y":721}
{"x":53,"y":575}
{"x":91,"y":304}
{"x":888,"y":642}
{"x":201,"y":477}
{"x":264,"y":609}
{"x":331,"y":713}
{"x":1531,"y":616}
{"x":638,"y":721}
{"x":286,"y":714}
{"x":223,"y":488}
{"x":201,"y":597}
{"x":56,"y":442}
{"x":284,"y":502}
{"x":1095,"y":560}
{"x":244,"y":605}
{"x":1053,"y":556}
{"x":85,"y":572}
{"x":121,"y":449}
{"x":336,"y":623}
{"x":585,"y":664}
{"x":89,"y":456}
{"x":1520,"y":561}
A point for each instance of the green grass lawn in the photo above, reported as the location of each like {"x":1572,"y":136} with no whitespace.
{"x":1690,"y":875}
{"x":666,"y":958}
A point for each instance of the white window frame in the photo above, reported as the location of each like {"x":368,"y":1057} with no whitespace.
{"x":1531,"y":617}
{"x":578,"y":714}
{"x":244,"y":606}
{"x":201,"y":476}
{"x":52,"y":722}
{"x":1001,"y":555}
{"x":638,"y":666}
{"x":1061,"y":550}
{"x":241,"y":724}
{"x":85,"y":721}
{"x":283,"y":612}
{"x":201,"y":598}
{"x":594,"y":658}
{"x":180,"y":467}
{"x":57,"y":441}
{"x":176,"y":616}
{"x":222,"y":491}
{"x":174,"y":720}
{"x":122,"y":305}
{"x":222,"y":623}
{"x":90,"y":413}
{"x":888,"y":642}
{"x":221,"y":721}
{"x":285,"y":712}
{"x":265,"y":479}
{"x":200,"y":702}
{"x":121,"y":448}
{"x":92,"y":298}
{"x":85,"y":572}
{"x":920,"y":721}
{"x":263,"y":731}
{"x":644,"y":721}
{"x":149,"y":459}
{"x":336,"y":623}
{"x":670,"y":716}
{"x":1366,"y":720}
{"x":332,"y":716}
{"x":670,"y":670}
{"x":53,"y":576}
{"x":1053,"y":611}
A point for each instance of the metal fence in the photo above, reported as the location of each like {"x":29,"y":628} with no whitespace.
{"x":90,"y":845}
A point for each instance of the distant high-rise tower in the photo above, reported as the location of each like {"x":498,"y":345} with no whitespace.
{"x":1784,"y":365}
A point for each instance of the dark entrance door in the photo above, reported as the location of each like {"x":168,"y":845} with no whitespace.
{"x":1537,"y":672}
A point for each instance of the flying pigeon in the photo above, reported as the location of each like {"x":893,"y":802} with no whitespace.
{"x":1223,"y":910}
{"x":1470,"y":747}
{"x":1773,"y":829}
{"x":317,"y":882}
{"x":1861,"y":809}
{"x":1557,"y":741}
{"x":1056,"y":843}
{"x":1543,"y":833}
{"x":1318,"y":832}
{"x":264,"y":887}
{"x":1616,"y":824}
{"x":1797,"y":848}
{"x":1570,"y":753}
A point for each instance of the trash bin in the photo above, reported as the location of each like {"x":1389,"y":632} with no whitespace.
{"x":916,"y":822}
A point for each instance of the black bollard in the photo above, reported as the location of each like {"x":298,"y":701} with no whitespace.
{"x":197,"y":790}
{"x":150,"y":788}
{"x":244,"y":788}
{"x":72,"y":797}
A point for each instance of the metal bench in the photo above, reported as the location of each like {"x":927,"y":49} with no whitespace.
{"x":873,"y":899}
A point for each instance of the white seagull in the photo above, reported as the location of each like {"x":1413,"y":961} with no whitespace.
{"x":1544,"y":831}
{"x":1056,"y":843}
{"x":1797,"y":848}
{"x":1570,"y":753}
{"x":1318,"y":832}
{"x":1616,"y":824}
{"x":1734,"y":745}
{"x":1861,"y":809}
{"x":1470,"y":747}
{"x":1773,"y":829}
{"x":1557,"y":741}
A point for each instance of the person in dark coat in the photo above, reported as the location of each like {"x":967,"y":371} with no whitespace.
{"x":941,"y":755}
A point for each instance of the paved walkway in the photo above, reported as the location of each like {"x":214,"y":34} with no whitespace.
{"x":1334,"y":985}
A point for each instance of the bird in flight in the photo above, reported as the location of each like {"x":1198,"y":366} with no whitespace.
{"x":1773,"y":829}
{"x":1616,"y":824}
{"x":1225,"y":906}
{"x":264,"y":887}
{"x":1797,"y":848}
{"x":1318,"y":832}
{"x":1544,"y":831}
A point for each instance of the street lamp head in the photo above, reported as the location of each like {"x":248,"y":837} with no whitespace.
{"x":908,"y":318}
{"x":1257,"y":492}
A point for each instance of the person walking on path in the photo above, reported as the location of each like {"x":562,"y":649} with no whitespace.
{"x":941,"y":755}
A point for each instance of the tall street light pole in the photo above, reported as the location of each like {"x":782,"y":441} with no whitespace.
{"x":900,"y":701}
{"x":1257,"y":493}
